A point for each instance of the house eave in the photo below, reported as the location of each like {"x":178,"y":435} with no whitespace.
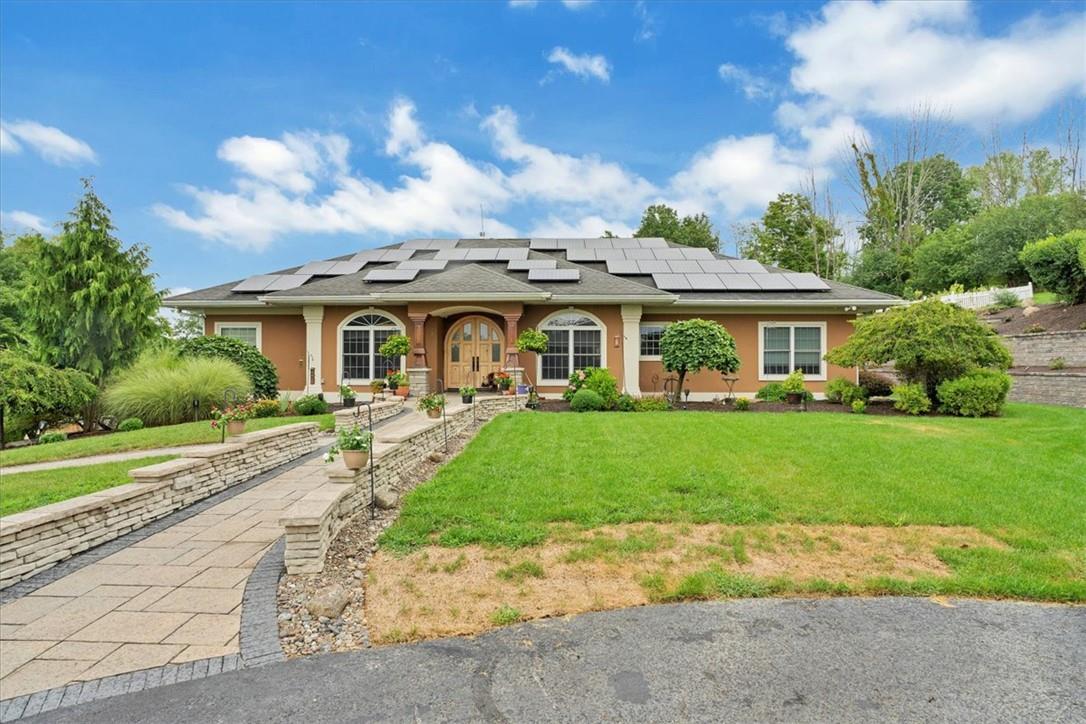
{"x":819,"y":303}
{"x":202,"y":303}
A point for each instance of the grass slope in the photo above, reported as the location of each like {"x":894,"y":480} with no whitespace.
{"x":23,"y":491}
{"x":1018,"y":478}
{"x":189,"y":433}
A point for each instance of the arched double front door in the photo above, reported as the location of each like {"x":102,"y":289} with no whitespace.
{"x":474,"y":347}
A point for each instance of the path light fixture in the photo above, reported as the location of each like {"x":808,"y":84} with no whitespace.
{"x":195,"y":409}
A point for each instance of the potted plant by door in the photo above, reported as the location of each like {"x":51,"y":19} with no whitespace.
{"x":354,"y":443}
{"x":505,"y":383}
{"x":394,"y":348}
{"x":467,"y":394}
{"x":234,"y":417}
{"x":377,"y":387}
{"x":346,"y":395}
{"x":397,"y":383}
{"x":431,"y":404}
{"x":794,"y":391}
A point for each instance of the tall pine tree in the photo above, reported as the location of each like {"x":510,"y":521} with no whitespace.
{"x":92,"y":305}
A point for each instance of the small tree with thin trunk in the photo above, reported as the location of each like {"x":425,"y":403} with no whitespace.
{"x":692,"y":345}
{"x":532,"y":340}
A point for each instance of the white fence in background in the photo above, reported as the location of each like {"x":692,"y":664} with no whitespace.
{"x":986,"y":297}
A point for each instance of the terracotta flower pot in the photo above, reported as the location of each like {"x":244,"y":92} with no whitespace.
{"x":793,"y":398}
{"x":403,"y":391}
{"x":235,"y":427}
{"x":434,"y":414}
{"x":356,"y":459}
{"x":509,"y":391}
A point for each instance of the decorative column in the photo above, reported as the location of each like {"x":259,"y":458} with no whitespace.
{"x":418,"y":374}
{"x":314,"y":318}
{"x":631,"y":349}
{"x":512,"y":355}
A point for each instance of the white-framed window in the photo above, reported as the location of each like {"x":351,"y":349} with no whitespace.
{"x":649,"y":340}
{"x":784,"y":347}
{"x":359,"y":339}
{"x":248,"y":332}
{"x":574,"y":342}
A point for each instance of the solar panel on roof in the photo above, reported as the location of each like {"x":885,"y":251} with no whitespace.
{"x":511,"y":253}
{"x":653,"y":266}
{"x":287,"y":281}
{"x":421,"y":264}
{"x":553,"y":275}
{"x":716,"y":266}
{"x":543,"y":244}
{"x":668,"y":253}
{"x":624,"y":244}
{"x":738,"y":282}
{"x":805,"y":281}
{"x":650,"y":242}
{"x":639,"y":254}
{"x":671,"y":282}
{"x":346,"y":267}
{"x":684,"y":266}
{"x":609,"y":254}
{"x":256,"y":283}
{"x":396,"y":255}
{"x":482,"y":255}
{"x":581,"y":255}
{"x":706,"y":282}
{"x":772,"y":282}
{"x":452,"y":254}
{"x":526,"y":264}
{"x":747,"y":266}
{"x":622,"y":266}
{"x":597,"y":244}
{"x":391,"y":275}
{"x":429,"y":244}
{"x":570,"y":243}
{"x":316,"y":268}
{"x":368,"y":255}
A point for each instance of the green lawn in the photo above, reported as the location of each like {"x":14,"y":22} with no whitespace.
{"x":1045,"y":298}
{"x":1020,"y":478}
{"x":189,"y":433}
{"x":23,"y":491}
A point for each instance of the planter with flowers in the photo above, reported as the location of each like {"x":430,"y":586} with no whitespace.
{"x":394,"y":348}
{"x":377,"y":387}
{"x":431,"y":404}
{"x":504,"y":382}
{"x":467,"y":394}
{"x":233,"y":417}
{"x":794,"y":391}
{"x":346,"y":395}
{"x":397,"y":383}
{"x":354,"y":443}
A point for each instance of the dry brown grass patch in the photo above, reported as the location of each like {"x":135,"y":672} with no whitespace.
{"x":453,"y":591}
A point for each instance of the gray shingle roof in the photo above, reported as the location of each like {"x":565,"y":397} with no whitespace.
{"x":460,"y":277}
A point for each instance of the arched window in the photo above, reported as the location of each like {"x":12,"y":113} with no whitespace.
{"x":574,"y":342}
{"x":362,"y":337}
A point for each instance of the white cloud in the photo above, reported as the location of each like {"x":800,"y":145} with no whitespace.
{"x":22,"y":221}
{"x":888,"y":58}
{"x":557,"y":177}
{"x":523,"y":3}
{"x":577,"y":4}
{"x":587,"y":227}
{"x":583,"y":66}
{"x":52,"y":144}
{"x":753,"y":86}
{"x":293,"y":163}
{"x":404,"y":132}
{"x":646,"y":31}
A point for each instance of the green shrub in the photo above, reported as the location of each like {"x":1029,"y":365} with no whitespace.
{"x":651,"y":404}
{"x":911,"y":398}
{"x":51,"y":437}
{"x":598,"y":379}
{"x":793,"y":383}
{"x":977,"y":394}
{"x":742,"y":404}
{"x":859,"y":407}
{"x":1057,"y":363}
{"x":1005,"y":299}
{"x":129,"y":424}
{"x":160,"y":387}
{"x":33,"y":394}
{"x":1053,"y":264}
{"x":310,"y":405}
{"x":586,"y":401}
{"x":263,"y":379}
{"x":626,"y":403}
{"x":395,"y":346}
{"x":772,"y":392}
{"x":266,"y":408}
{"x":876,"y":384}
{"x":844,"y":391}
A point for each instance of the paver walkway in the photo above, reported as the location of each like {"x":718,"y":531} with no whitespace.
{"x":96,"y":459}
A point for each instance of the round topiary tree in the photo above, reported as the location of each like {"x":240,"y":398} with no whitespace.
{"x":692,"y":345}
{"x":259,"y":368}
{"x":928,"y":342}
{"x":531,"y":340}
{"x":397,"y":345}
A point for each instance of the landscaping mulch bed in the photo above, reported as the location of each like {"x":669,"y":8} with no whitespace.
{"x":874,"y":407}
{"x":1049,"y":317}
{"x":300,"y":632}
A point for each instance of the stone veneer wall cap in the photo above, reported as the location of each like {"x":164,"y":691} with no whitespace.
{"x":249,"y":437}
{"x":213,"y":449}
{"x":154,"y":473}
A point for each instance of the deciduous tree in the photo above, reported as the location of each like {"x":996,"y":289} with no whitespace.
{"x":663,"y":221}
{"x":692,"y":345}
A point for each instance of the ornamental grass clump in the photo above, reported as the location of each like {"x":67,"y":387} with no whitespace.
{"x":162,"y":387}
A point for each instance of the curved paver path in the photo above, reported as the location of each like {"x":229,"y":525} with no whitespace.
{"x":96,"y":459}
{"x":840,"y":660}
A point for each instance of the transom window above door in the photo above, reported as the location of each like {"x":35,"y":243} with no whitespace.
{"x":360,"y":339}
{"x":788,"y":346}
{"x":574,"y":342}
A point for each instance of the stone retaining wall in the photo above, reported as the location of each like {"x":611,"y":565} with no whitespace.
{"x":1038,"y":350}
{"x":1051,"y":388}
{"x":359,"y":415}
{"x":313,"y":522}
{"x":37,"y":539}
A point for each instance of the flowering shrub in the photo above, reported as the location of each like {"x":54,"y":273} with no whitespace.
{"x":433,"y":401}
{"x":503,"y":380}
{"x":233,"y":413}
{"x":599,"y":380}
{"x":742,"y":404}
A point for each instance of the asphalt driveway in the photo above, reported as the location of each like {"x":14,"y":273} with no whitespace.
{"x":839,"y":660}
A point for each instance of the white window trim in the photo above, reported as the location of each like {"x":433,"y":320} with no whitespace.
{"x":258,"y":326}
{"x":649,"y":357}
{"x":562,"y":312}
{"x":820,"y":377}
{"x":398,"y":325}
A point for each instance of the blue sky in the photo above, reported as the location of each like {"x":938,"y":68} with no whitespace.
{"x":236,"y":138}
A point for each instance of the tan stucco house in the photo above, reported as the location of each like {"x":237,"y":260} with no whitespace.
{"x":462,"y":302}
